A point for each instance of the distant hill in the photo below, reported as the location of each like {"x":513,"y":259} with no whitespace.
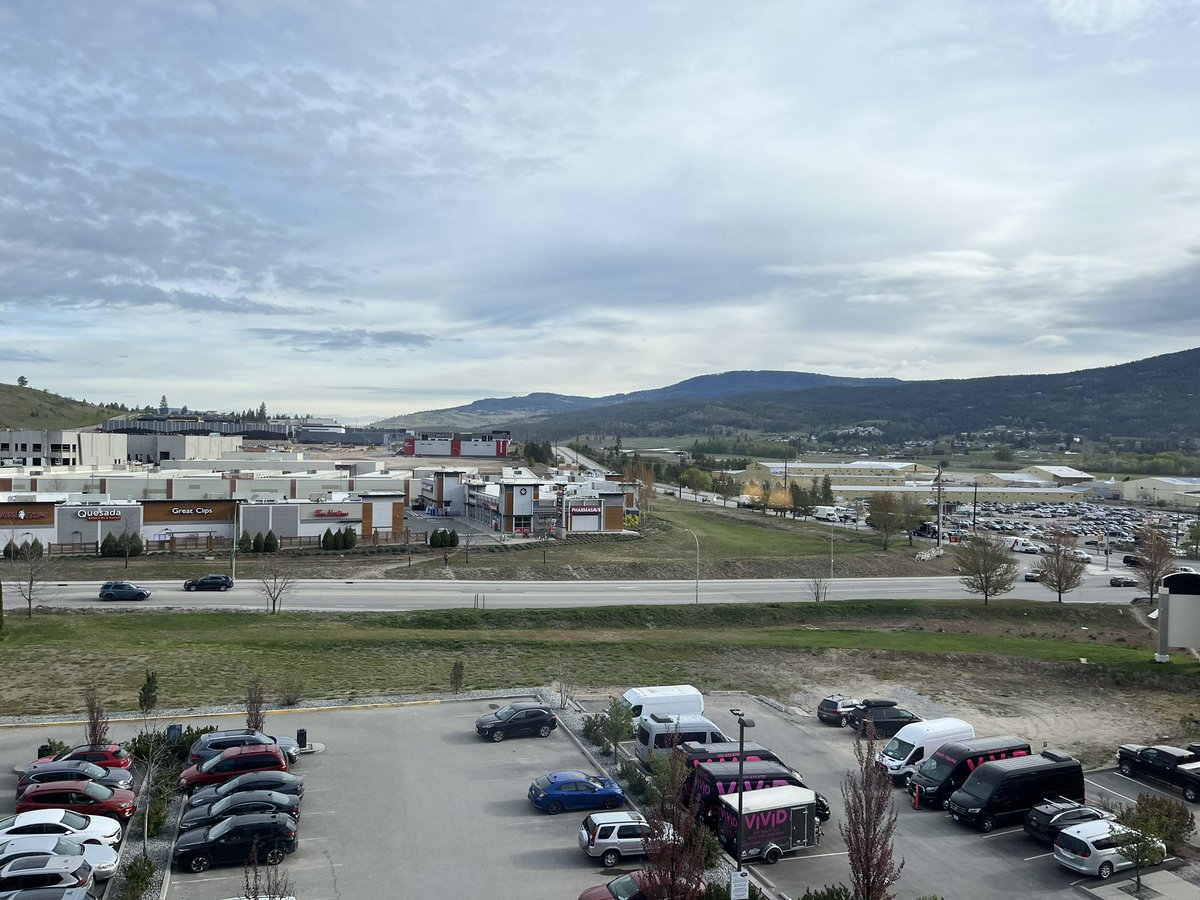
{"x":25,"y":407}
{"x":493,"y":411}
{"x":1153,"y":399}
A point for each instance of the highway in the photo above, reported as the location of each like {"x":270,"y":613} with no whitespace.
{"x":394,"y":596}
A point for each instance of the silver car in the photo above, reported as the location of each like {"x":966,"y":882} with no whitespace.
{"x":612,"y":836}
{"x":103,"y":860}
{"x":1094,"y":848}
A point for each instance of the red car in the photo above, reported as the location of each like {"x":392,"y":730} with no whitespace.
{"x":623,"y":887}
{"x":111,"y":756}
{"x":85,"y":797}
{"x":231,"y":763}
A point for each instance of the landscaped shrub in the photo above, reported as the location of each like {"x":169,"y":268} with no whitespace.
{"x":257,"y":546}
{"x":350,"y":539}
{"x":245,"y":542}
{"x":454,"y":537}
{"x":327,"y":540}
{"x":271,"y":542}
{"x":636,"y":782}
{"x":139,"y":875}
{"x":108,"y":546}
{"x":593,"y":728}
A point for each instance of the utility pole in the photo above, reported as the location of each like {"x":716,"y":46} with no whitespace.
{"x":975,"y":505}
{"x":939,"y":505}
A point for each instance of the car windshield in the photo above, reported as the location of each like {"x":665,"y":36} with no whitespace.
{"x":92,"y":770}
{"x":897,"y":749}
{"x":67,"y":847}
{"x":209,"y":764}
{"x":505,"y":713}
{"x":937,"y":768}
{"x":97,"y":791}
{"x":74,"y":820}
{"x":220,"y":828}
{"x":624,"y":888}
{"x":543,"y":782}
{"x":981,"y":783}
{"x":223,"y":804}
{"x":595,"y":782}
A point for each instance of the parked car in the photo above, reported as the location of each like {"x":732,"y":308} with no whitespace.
{"x":34,"y":872}
{"x":86,"y":829}
{"x":623,"y":887}
{"x":1033,"y":575}
{"x":836,"y":709}
{"x":231,"y":763}
{"x":517,"y":719}
{"x":1132,"y":560}
{"x":1123,"y":581}
{"x":613,"y":836}
{"x":212,"y":743}
{"x":267,"y":780}
{"x":1094,"y":848}
{"x":79,"y":796}
{"x":111,"y":756}
{"x":887,"y":719}
{"x":103,"y":860}
{"x":1176,"y":766}
{"x":230,"y":841}
{"x":123,"y":590}
{"x":208,"y":583}
{"x":240,"y":804}
{"x":74,"y":770}
{"x":1046,"y":820}
{"x":574,"y":790}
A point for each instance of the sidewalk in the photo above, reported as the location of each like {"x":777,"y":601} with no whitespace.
{"x":1155,"y":886}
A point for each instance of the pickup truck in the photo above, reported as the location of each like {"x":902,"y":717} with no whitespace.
{"x":1170,"y":765}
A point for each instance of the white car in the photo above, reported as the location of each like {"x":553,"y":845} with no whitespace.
{"x":103,"y":859}
{"x":77,"y":826}
{"x":1094,"y":848}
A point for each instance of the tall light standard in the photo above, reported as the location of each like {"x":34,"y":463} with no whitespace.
{"x":697,"y":540}
{"x":743,"y":724}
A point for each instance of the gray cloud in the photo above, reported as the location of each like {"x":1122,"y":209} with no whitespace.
{"x":339,"y":339}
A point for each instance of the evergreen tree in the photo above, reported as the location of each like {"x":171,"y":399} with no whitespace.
{"x":10,"y":549}
{"x":270,"y":542}
{"x":257,"y":546}
{"x":351,"y":539}
{"x":108,"y":546}
{"x":245,"y":542}
{"x":327,"y":540}
{"x":827,"y":491}
{"x":454,"y":538}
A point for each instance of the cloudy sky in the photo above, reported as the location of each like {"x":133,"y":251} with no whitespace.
{"x":367,"y":208}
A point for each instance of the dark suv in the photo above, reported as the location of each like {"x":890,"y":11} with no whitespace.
{"x":212,"y":743}
{"x":123,"y":590}
{"x":887,"y":717}
{"x":1046,"y":820}
{"x":836,"y":710}
{"x":516,"y":719}
{"x":209,"y":583}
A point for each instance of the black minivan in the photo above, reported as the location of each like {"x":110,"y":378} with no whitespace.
{"x":950,"y":765}
{"x":1005,"y":790}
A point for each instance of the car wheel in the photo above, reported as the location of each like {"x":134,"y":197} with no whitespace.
{"x":987,"y":823}
{"x":843,"y":721}
{"x":275,"y":856}
{"x":554,"y":808}
{"x":544,"y":731}
{"x":612,"y":802}
{"x":1105,"y":870}
{"x":772,"y":856}
{"x":189,"y":587}
{"x":609,"y":858}
{"x":1126,"y":768}
{"x":106,"y":596}
{"x":1191,"y":793}
{"x":224,"y":587}
{"x":199,"y":863}
{"x":498,"y":735}
{"x":142,"y":596}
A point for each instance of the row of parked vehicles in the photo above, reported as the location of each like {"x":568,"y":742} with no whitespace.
{"x":987,"y":781}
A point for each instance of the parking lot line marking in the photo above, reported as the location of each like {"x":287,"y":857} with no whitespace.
{"x":814,"y":856}
{"x":205,"y":879}
{"x":1014,"y":830}
{"x":1110,"y":790}
{"x":1039,"y":856}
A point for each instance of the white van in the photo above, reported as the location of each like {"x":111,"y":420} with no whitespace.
{"x":917,"y":741}
{"x":666,"y":699}
{"x":662,"y":732}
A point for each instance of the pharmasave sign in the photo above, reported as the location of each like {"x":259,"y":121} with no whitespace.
{"x":187,"y":510}
{"x":14,"y":514}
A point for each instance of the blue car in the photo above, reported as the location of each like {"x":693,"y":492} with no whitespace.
{"x":574,"y":790}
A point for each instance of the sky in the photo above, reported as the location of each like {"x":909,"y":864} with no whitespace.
{"x":367,"y":208}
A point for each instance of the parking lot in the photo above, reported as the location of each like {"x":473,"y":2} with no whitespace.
{"x":408,"y":801}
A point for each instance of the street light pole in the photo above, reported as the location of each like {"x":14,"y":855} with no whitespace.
{"x":743,"y":724}
{"x":697,"y":540}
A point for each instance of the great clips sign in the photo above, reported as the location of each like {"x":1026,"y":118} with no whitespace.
{"x":187,"y":511}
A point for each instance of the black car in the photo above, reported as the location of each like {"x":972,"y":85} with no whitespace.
{"x":230,"y":841}
{"x":887,"y":719}
{"x":279,"y":782}
{"x":213,"y":743}
{"x":74,"y":770}
{"x":209,"y":583}
{"x":516,"y":719}
{"x":1123,"y":581}
{"x":1046,"y":820}
{"x":240,"y":804}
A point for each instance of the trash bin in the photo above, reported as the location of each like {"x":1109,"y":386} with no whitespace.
{"x":302,"y":737}
{"x":174,"y":732}
{"x":43,"y":750}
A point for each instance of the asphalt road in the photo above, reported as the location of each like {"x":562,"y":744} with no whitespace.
{"x":385,"y":596}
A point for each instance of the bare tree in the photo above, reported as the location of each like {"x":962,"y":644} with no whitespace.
{"x":1154,"y":551}
{"x":726,"y":487}
{"x":986,"y":566}
{"x":869,"y":824}
{"x":272,"y":883}
{"x":887,"y":516}
{"x":818,"y":586}
{"x":97,"y":717}
{"x":563,"y":681}
{"x":29,"y":572}
{"x":456,"y":676}
{"x":256,"y":716}
{"x":465,"y":540}
{"x":275,"y":584}
{"x":641,"y":476}
{"x":1060,"y":569}
{"x":913,"y":514}
{"x":676,"y":851}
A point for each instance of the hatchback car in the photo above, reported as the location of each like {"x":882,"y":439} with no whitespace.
{"x":111,"y":756}
{"x":78,"y":826}
{"x":1046,"y":820}
{"x":231,"y":840}
{"x":574,"y":790}
{"x":208,"y":583}
{"x":103,"y":860}
{"x":79,"y":796}
{"x":836,"y":709}
{"x":517,"y":719}
{"x":123,"y":590}
{"x":278,"y":781}
{"x":212,"y":743}
{"x":1094,"y":848}
{"x":33,"y":872}
{"x":231,"y":763}
{"x":74,"y":770}
{"x":612,"y":836}
{"x":1123,"y":581}
{"x":240,"y":804}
